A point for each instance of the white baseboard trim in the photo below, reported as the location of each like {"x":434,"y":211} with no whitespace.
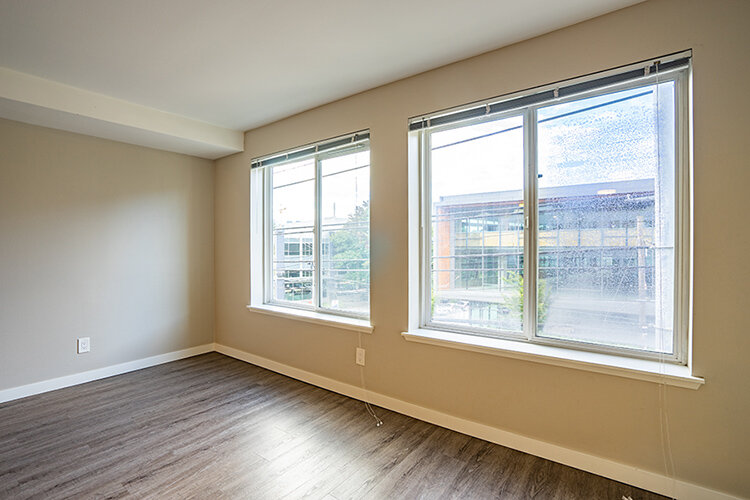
{"x":628,"y":474}
{"x":99,"y":373}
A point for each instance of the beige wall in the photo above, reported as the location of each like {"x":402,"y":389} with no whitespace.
{"x":99,"y":239}
{"x":603,"y":415}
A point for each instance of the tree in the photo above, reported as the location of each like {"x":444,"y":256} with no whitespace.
{"x":515,"y":301}
{"x":350,"y":247}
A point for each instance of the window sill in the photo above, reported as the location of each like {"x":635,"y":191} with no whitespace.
{"x":639,"y":369}
{"x":357,"y":325}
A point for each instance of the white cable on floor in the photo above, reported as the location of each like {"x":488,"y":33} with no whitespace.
{"x":368,"y":407}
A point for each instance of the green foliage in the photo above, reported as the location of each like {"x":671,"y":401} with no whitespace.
{"x":514,"y":281}
{"x":542,"y":302}
{"x":515,"y":301}
{"x":350,"y":246}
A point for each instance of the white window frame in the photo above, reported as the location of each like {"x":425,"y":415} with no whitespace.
{"x":261,"y":238}
{"x":419,"y":143}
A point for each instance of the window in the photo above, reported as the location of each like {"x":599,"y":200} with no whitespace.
{"x":561,"y":216}
{"x":314,"y":226}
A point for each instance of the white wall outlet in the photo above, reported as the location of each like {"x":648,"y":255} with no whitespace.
{"x":84,"y":344}
{"x":360,"y":358}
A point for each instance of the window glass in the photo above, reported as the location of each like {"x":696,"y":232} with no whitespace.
{"x":558,"y":219}
{"x":319,"y":236}
{"x":293,"y":197}
{"x":605,"y":217}
{"x":477,"y":225}
{"x":345,"y":233}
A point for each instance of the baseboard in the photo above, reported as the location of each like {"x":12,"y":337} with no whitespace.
{"x":99,"y":373}
{"x":628,"y":474}
{"x":601,"y":466}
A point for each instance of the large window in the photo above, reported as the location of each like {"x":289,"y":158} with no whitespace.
{"x":316,"y":226}
{"x":560,"y":216}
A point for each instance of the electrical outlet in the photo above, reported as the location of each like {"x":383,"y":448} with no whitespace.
{"x":84,"y":344}
{"x":360,"y":359}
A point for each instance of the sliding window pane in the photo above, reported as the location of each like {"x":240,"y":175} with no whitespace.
{"x":345,"y":233}
{"x":476,"y":260}
{"x":606,"y":219}
{"x":292,"y":266}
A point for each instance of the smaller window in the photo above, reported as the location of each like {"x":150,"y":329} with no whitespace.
{"x":314,"y":229}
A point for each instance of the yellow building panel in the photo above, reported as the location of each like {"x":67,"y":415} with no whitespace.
{"x":511,"y":239}
{"x":569,"y":238}
{"x":615,"y":242}
{"x":491,"y":238}
{"x":547,"y":238}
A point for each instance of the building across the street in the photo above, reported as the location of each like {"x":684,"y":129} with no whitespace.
{"x":595,"y":241}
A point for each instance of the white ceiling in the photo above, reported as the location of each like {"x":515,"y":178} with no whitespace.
{"x":238,"y":64}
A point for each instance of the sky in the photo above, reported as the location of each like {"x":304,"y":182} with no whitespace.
{"x":613,"y":141}
{"x":345,"y":185}
{"x":608,"y":137}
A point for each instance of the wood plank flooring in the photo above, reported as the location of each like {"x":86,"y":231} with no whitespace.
{"x":214,"y":427}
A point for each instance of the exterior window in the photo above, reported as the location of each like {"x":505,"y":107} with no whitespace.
{"x":316,"y":229}
{"x":562,"y":221}
{"x":291,"y":249}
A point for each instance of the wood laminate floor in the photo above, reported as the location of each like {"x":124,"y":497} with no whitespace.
{"x":214,"y":427}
